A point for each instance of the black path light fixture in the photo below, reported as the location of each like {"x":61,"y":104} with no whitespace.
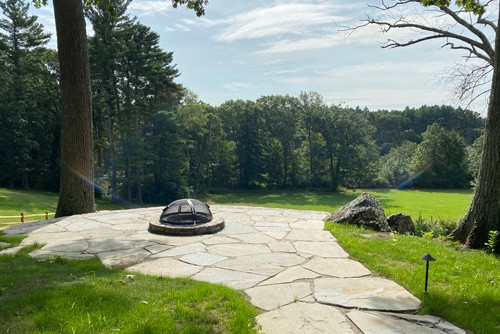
{"x":427,"y":257}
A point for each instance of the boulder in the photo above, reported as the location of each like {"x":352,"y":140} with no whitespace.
{"x":363,"y":211}
{"x":401,"y":223}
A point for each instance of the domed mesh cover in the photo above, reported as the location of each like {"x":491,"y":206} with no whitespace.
{"x":186,"y":211}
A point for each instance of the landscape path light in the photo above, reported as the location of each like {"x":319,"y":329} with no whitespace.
{"x":427,"y":257}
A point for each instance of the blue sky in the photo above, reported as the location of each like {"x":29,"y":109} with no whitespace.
{"x":244,"y":49}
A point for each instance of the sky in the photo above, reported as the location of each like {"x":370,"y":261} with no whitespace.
{"x":243,"y":49}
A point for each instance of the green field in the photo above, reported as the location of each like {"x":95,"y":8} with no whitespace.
{"x":14,"y":201}
{"x":435,"y":204}
{"x":444,"y":204}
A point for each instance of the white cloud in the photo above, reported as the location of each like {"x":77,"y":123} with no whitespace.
{"x":303,"y":44}
{"x":379,"y":98}
{"x":182,"y":27}
{"x":237,"y":86}
{"x":149,"y":7}
{"x":292,"y":18}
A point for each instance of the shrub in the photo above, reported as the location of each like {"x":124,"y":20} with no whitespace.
{"x":435,"y":228}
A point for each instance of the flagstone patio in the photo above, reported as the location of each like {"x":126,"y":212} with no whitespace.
{"x":282,"y":259}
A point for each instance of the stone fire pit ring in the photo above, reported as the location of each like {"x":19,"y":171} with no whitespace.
{"x":187,"y":216}
{"x":213,"y":226}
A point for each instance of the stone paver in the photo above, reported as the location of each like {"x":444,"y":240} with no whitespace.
{"x":238,"y":249}
{"x":11,"y":251}
{"x":270,"y":297}
{"x":283,"y":259}
{"x":291,"y":274}
{"x":304,"y":318}
{"x":320,"y":249}
{"x":373,"y":293}
{"x":203,"y":259}
{"x":234,"y":279}
{"x":265,"y":264}
{"x":337,"y":267}
{"x":165,"y":267}
{"x":388,"y":323}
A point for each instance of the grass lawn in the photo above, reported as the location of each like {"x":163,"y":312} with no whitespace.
{"x":464,"y":286}
{"x":14,"y":201}
{"x":82,"y":296}
{"x":444,"y":204}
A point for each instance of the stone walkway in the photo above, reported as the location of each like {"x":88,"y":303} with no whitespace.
{"x":282,"y":259}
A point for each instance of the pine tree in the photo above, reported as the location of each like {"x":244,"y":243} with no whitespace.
{"x":20,"y":36}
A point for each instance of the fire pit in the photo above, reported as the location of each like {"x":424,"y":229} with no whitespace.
{"x":186,"y":216}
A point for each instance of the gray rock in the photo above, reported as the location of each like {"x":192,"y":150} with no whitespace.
{"x":363,"y":211}
{"x":4,"y":244}
{"x":400,"y":223}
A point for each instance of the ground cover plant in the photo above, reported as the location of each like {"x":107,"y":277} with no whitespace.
{"x":464,"y":286}
{"x":427,"y":204}
{"x":82,"y":296}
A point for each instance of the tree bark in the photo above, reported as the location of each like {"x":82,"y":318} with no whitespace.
{"x":76,"y":192}
{"x":484,"y":212}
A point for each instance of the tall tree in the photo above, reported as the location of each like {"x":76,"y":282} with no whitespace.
{"x":106,"y":48}
{"x":485,"y":207}
{"x":351,"y":151}
{"x":281,"y":114}
{"x":395,"y":168}
{"x":243,"y":124}
{"x":312,"y":107}
{"x":76,"y":192}
{"x":20,"y":35}
{"x":440,"y":160}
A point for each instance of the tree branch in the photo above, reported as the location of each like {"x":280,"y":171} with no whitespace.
{"x":440,"y":33}
{"x":485,"y":42}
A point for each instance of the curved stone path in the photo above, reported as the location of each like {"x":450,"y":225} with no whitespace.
{"x":282,"y":259}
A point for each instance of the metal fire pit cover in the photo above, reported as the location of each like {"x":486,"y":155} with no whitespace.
{"x":186,"y":216}
{"x":186,"y":211}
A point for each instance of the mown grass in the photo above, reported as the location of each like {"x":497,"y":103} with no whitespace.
{"x":14,"y":201}
{"x":429,"y":204}
{"x":464,"y":286}
{"x":82,"y":296}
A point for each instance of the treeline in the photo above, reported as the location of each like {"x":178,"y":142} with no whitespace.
{"x":155,"y":141}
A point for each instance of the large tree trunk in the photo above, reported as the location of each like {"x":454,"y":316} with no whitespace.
{"x":484,"y":212}
{"x":76,"y":192}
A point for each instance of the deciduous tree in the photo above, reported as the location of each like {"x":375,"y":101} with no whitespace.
{"x":452,"y":20}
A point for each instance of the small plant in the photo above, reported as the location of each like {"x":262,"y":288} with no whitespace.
{"x":493,"y":244}
{"x":428,"y":235}
{"x":438,"y":228}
